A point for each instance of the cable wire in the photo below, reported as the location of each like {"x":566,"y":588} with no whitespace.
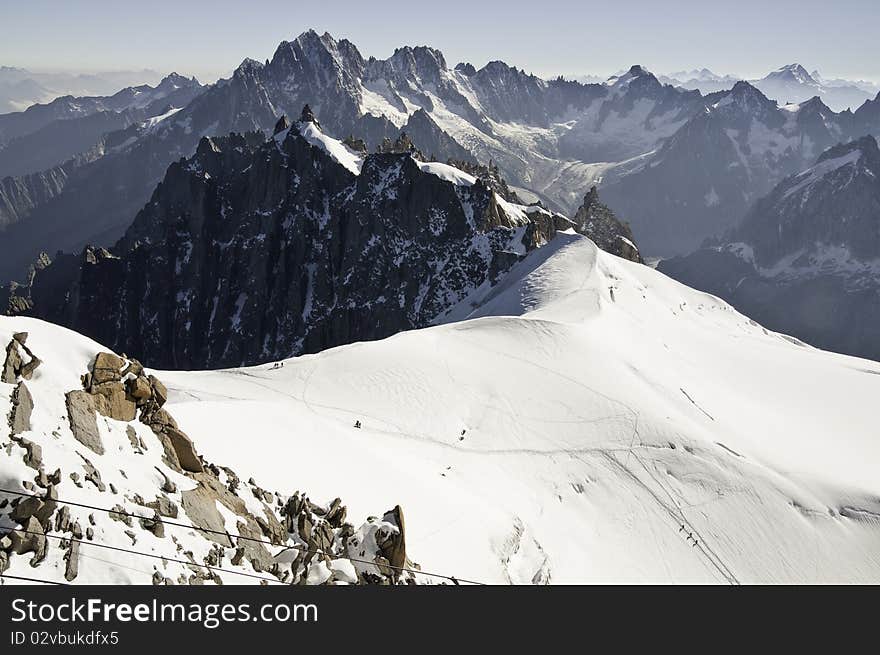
{"x":23,"y":577}
{"x":164,"y":521}
{"x":98,"y":544}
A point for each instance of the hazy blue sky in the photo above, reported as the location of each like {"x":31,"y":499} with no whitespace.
{"x":748,"y":37}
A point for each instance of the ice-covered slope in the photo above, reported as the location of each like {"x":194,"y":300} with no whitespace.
{"x":591,"y":421}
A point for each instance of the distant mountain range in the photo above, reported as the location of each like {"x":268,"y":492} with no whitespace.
{"x":788,"y":84}
{"x":21,"y":88}
{"x":701,"y":181}
{"x":47,"y":134}
{"x":678,"y":165}
{"x":806,"y":258}
{"x":497,"y":114}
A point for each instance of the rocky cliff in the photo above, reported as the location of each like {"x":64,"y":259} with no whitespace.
{"x":596,"y":220}
{"x":252,"y":250}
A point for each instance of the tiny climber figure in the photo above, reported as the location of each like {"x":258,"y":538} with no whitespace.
{"x":461,"y":438}
{"x":357,"y":424}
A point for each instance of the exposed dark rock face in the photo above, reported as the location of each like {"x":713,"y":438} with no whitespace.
{"x":254,"y":250}
{"x":836,"y":201}
{"x":804,"y":261}
{"x":598,"y":222}
{"x":432,"y":141}
{"x":19,"y":196}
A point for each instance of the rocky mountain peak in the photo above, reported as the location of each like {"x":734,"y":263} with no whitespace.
{"x":174,"y":81}
{"x":307,"y":116}
{"x":792,"y":73}
{"x":866,"y":145}
{"x":419,"y":65}
{"x":316,"y":58}
{"x":501,"y":72}
{"x":815,"y":105}
{"x":747,"y":100}
{"x":207,"y":145}
{"x":261,"y":218}
{"x":597,"y":221}
{"x":466,"y":68}
{"x":282,"y":124}
{"x":249,"y":69}
{"x":635,"y":72}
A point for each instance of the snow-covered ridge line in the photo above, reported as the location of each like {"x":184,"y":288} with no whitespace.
{"x":581,"y":392}
{"x":353,"y":161}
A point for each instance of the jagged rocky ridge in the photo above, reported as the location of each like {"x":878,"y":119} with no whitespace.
{"x":116,"y":447}
{"x":596,"y":219}
{"x":497,"y":113}
{"x":253,"y":250}
{"x":677,"y":175}
{"x":806,"y":258}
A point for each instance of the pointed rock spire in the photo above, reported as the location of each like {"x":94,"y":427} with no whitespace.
{"x":308,"y":116}
{"x":282,"y":124}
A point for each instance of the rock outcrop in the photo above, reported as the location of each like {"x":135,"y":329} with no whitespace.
{"x":598,"y":222}
{"x":236,"y":528}
{"x":19,"y":360}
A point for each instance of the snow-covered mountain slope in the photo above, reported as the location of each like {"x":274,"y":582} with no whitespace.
{"x":100,"y":486}
{"x":591,"y":421}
